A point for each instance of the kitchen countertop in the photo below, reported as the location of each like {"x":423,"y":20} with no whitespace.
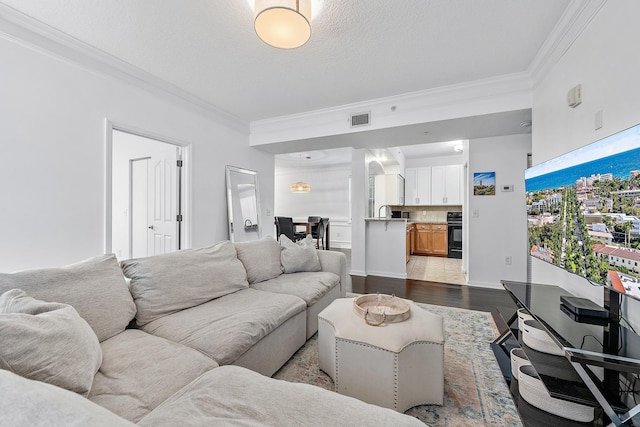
{"x":408,"y":220}
{"x":415,"y":221}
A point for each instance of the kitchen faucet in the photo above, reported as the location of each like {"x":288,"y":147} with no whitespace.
{"x":380,"y":208}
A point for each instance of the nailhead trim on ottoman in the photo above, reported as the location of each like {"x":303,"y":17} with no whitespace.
{"x":397,"y":365}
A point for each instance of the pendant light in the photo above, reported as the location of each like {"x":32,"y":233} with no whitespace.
{"x":300,"y":186}
{"x":285,"y":24}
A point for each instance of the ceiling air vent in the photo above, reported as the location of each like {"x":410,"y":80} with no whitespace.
{"x":360,"y":119}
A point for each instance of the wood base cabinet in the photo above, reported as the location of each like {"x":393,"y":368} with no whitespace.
{"x":431,"y":239}
{"x":409,"y":241}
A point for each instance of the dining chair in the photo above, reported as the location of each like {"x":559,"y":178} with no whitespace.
{"x":318,"y":231}
{"x":284,"y":225}
{"x":314,"y":228}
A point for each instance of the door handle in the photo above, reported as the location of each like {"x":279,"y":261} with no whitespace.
{"x":150,"y":227}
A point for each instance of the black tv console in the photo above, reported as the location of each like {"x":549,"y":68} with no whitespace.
{"x":601,"y":363}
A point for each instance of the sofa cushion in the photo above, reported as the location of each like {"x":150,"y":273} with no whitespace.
{"x":95,"y":287}
{"x":231,"y":395}
{"x":164,"y":284}
{"x":310,"y":286}
{"x":261,"y":259}
{"x":36,"y":404}
{"x":139,"y":371}
{"x":299,"y":256}
{"x":226,"y":327}
{"x":47,"y":341}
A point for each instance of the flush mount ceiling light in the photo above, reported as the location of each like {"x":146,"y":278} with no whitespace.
{"x":285,"y":24}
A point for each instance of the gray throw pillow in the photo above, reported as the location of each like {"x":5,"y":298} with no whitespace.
{"x":47,"y":341}
{"x":300,"y":256}
{"x":261,"y":259}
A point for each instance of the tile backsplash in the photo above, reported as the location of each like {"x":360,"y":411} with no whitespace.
{"x":429,"y":214}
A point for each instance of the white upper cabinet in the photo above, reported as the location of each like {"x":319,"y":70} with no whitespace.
{"x":446,"y":185}
{"x":418,"y":186}
{"x":389,"y":190}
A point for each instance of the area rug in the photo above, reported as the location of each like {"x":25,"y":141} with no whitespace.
{"x":475,"y":391}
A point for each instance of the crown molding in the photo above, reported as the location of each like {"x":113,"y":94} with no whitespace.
{"x":443,"y":95}
{"x":501,"y":93}
{"x":572,"y":23}
{"x":33,"y":34}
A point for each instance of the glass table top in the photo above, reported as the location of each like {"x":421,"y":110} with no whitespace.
{"x":608,"y":348}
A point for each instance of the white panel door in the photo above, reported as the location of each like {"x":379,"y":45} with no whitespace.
{"x":139,"y":207}
{"x":162,"y":208}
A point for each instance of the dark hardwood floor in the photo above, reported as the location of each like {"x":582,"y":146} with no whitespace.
{"x":496,"y":301}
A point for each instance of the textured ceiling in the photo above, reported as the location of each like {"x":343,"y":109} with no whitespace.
{"x":359,"y":49}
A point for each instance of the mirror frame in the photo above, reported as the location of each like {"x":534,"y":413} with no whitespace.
{"x":230,"y":198}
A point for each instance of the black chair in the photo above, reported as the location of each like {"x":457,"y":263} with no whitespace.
{"x":314,"y":228}
{"x":318,"y":231}
{"x":284,"y":225}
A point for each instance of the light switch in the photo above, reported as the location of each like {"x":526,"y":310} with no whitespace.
{"x":476,"y":213}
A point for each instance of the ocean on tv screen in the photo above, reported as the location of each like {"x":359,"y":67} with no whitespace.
{"x":583,"y":211}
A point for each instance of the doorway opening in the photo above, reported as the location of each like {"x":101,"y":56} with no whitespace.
{"x":145,"y":187}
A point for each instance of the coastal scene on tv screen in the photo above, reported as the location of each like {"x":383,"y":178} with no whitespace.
{"x":583,"y":211}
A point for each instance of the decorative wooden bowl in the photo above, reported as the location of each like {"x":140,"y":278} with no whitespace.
{"x":377,"y":309}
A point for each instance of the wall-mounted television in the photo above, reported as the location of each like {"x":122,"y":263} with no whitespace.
{"x":583,"y":211}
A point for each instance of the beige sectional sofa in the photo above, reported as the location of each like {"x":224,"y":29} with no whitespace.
{"x":164,"y":339}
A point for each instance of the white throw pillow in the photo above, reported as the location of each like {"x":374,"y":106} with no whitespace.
{"x":300,"y":256}
{"x":47,"y":341}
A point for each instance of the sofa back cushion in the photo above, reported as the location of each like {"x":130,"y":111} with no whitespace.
{"x":47,"y":341}
{"x":95,"y":287}
{"x":167,"y":283}
{"x":261,"y":259}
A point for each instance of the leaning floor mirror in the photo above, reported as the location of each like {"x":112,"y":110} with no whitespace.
{"x":243,"y":204}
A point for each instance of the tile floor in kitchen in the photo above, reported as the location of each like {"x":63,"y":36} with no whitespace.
{"x":436,"y":269}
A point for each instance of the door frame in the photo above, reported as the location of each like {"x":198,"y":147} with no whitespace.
{"x":184,"y":181}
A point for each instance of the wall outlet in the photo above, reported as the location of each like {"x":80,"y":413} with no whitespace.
{"x":507,"y":260}
{"x":268,"y":212}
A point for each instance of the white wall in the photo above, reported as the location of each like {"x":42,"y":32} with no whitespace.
{"x":457,"y":159}
{"x":500,"y":227}
{"x":329,"y":198}
{"x":53,"y":139}
{"x":360,"y":161}
{"x":604,"y":60}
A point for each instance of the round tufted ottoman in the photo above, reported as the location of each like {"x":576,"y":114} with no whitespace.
{"x":396,"y":365}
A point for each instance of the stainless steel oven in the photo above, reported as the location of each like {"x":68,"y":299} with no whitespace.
{"x":454,"y":237}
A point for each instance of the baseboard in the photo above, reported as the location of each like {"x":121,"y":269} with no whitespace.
{"x":358,"y":273}
{"x":386,"y":274}
{"x":490,"y":285}
{"x":340,"y":245}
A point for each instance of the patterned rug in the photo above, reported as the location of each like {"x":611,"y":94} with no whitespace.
{"x":475,"y":391}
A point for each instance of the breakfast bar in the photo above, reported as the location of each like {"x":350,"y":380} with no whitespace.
{"x":386,"y":244}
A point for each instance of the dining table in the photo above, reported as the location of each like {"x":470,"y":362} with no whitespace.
{"x":308,"y":226}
